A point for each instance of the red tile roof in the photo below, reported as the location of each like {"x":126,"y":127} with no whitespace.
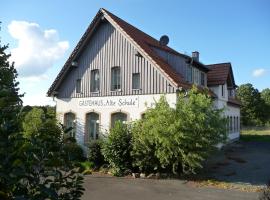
{"x":219,"y":74}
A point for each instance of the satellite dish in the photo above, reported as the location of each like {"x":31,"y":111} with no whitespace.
{"x":164,"y":40}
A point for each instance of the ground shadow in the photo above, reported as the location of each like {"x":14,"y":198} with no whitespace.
{"x":245,"y":162}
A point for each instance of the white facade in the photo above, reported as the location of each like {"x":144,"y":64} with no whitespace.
{"x":133,"y":106}
{"x":231,"y":112}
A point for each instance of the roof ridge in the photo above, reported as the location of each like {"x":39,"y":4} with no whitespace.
{"x":219,"y":63}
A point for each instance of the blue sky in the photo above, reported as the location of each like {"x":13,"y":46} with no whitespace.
{"x":42,"y":34}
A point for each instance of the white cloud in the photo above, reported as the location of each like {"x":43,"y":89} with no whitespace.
{"x":259,"y":72}
{"x":37,"y":99}
{"x":37,"y":49}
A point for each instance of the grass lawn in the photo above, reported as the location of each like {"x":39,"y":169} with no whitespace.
{"x":255,"y":134}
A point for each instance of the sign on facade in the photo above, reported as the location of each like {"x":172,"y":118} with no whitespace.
{"x":120,"y":101}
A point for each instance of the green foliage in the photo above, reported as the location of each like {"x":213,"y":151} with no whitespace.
{"x":117,"y":147}
{"x":49,"y":170}
{"x":253,"y":106}
{"x":35,"y":167}
{"x":87,"y":167}
{"x":94,"y":153}
{"x":32,"y":121}
{"x":74,"y":151}
{"x":178,"y":139}
{"x":10,"y":137}
{"x":265,"y":94}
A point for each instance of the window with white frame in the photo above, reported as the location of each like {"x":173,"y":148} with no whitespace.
{"x":202,"y":79}
{"x":78,"y":86}
{"x":223,"y":90}
{"x":92,"y":125}
{"x":69,"y":123}
{"x":119,"y":116}
{"x":231,"y":124}
{"x":136,"y":81}
{"x":189,"y":74}
{"x":95,"y":80}
{"x":115,"y":79}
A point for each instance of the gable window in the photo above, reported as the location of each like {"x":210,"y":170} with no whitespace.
{"x":223,"y":90}
{"x":119,"y":116}
{"x":95,"y":80}
{"x":92,"y":125}
{"x":115,"y":79}
{"x":136,"y":81}
{"x":69,"y":123}
{"x":189,"y":74}
{"x":202,"y":79}
{"x":78,"y":86}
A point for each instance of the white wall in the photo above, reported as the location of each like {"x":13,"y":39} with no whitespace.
{"x":233,"y":111}
{"x":105,"y":106}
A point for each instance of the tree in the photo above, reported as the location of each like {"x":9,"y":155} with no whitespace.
{"x":36,"y":167}
{"x":32,"y":121}
{"x":252,"y":108}
{"x":178,"y":139}
{"x":10,"y":136}
{"x":265,"y":94}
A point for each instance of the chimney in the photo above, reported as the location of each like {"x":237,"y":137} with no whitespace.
{"x":195,"y":55}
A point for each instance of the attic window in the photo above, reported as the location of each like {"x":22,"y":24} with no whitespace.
{"x":78,"y":86}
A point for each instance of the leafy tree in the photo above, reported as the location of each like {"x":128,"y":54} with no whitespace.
{"x":252,"y":108}
{"x":265,"y":94}
{"x":34,"y":167}
{"x":50,"y":171}
{"x":117,"y":147}
{"x":178,"y":139}
{"x":32,"y":121}
{"x":10,"y":137}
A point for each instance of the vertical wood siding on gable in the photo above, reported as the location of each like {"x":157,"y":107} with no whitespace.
{"x":108,"y":48}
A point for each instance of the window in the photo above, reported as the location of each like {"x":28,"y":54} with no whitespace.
{"x":231,"y":92}
{"x":238,"y":124}
{"x":92,"y":125}
{"x":136,"y":81}
{"x":234,"y":124}
{"x":78,"y":86}
{"x":231,"y":124}
{"x":115,"y":79}
{"x":222,"y":90}
{"x":95,"y":80}
{"x":119,"y":116}
{"x":189,"y":74}
{"x":228,"y":124}
{"x":202,"y":79}
{"x":69,"y":122}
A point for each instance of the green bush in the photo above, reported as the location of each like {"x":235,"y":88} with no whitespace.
{"x":117,"y":147}
{"x":87,"y":167}
{"x":94,"y":153}
{"x":178,"y":139}
{"x":74,"y":151}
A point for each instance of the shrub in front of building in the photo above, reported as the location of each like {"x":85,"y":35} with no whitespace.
{"x":178,"y":139}
{"x":94,"y":153}
{"x":117,"y":147}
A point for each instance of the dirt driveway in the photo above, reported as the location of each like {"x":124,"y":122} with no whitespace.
{"x":112,"y":188}
{"x":241,"y":162}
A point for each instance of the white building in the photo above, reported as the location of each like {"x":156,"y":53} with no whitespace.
{"x":117,"y":71}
